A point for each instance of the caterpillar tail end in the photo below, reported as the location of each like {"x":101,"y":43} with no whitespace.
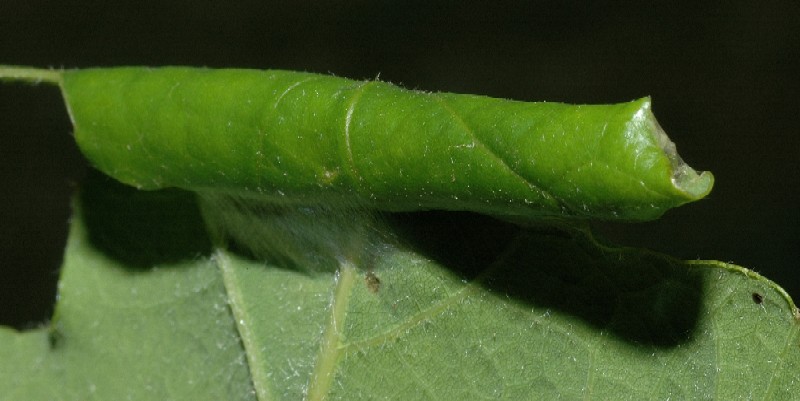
{"x":694,"y":185}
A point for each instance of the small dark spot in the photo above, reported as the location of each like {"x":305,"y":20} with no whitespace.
{"x":55,"y":338}
{"x":373,"y":283}
{"x":758,"y":298}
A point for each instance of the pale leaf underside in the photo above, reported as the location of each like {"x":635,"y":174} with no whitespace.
{"x":458,"y":307}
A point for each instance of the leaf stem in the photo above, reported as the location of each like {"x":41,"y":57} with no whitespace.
{"x":30,"y":74}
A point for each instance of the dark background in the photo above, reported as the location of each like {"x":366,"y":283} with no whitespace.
{"x":722,"y":76}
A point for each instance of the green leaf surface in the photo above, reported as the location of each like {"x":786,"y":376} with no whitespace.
{"x":461,"y":306}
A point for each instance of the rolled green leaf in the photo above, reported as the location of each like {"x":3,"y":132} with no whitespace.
{"x":305,"y":138}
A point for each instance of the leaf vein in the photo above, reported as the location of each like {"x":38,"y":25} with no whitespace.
{"x":324,"y":367}
{"x":256,"y":365}
{"x":778,"y":367}
{"x":436,"y":309}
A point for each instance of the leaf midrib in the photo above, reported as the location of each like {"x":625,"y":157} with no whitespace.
{"x":329,"y":351}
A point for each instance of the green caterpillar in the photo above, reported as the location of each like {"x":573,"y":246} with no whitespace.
{"x":302,"y":138}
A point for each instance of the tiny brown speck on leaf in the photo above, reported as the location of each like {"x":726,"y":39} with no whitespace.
{"x":373,"y":283}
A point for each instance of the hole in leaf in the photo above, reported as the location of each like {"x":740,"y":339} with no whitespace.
{"x":758,"y":298}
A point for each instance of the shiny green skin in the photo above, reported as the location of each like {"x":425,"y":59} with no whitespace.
{"x":306,"y":138}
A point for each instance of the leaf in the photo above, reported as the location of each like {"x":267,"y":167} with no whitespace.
{"x":165,"y":295}
{"x":313,"y":139}
{"x":466,"y":307}
{"x":141,"y":313}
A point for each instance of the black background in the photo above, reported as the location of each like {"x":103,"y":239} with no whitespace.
{"x":722,"y":75}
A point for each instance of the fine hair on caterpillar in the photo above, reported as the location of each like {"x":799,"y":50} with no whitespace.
{"x":309,"y":238}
